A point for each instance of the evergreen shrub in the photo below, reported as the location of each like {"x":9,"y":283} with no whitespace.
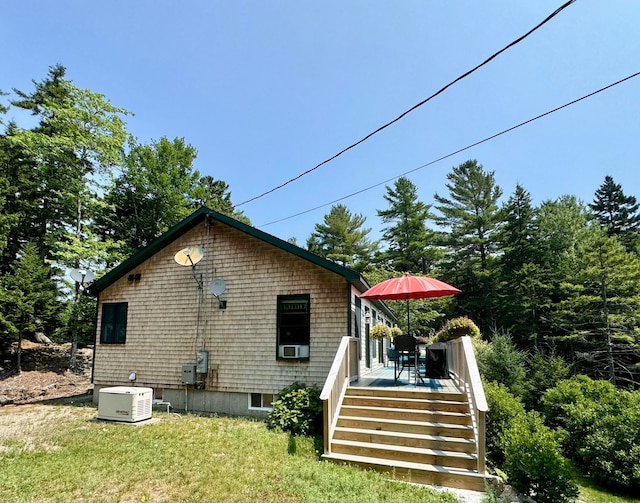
{"x":501,"y":362}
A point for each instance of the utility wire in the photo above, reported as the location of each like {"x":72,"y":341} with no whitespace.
{"x":457,"y":151}
{"x":539,"y":25}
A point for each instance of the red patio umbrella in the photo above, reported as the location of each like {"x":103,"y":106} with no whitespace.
{"x":409,"y":287}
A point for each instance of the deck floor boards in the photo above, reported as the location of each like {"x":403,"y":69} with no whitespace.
{"x":383,"y":378}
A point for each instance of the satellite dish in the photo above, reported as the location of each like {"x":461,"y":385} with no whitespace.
{"x":189,"y":256}
{"x":81,"y":276}
{"x":217,"y":287}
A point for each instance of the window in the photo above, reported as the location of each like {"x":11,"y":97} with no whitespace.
{"x":113,"y":329}
{"x":261,"y":401}
{"x":294,"y":327}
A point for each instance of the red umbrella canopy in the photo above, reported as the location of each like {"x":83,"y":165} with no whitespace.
{"x":409,"y":287}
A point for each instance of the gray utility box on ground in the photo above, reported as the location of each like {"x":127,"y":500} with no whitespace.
{"x":125,"y":403}
{"x":189,"y":373}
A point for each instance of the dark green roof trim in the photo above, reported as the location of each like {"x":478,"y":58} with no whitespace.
{"x":194,"y":219}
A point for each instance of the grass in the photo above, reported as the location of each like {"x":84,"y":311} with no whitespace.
{"x":591,"y":493}
{"x":61,"y":453}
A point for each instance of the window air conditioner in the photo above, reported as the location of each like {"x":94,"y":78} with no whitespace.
{"x":294,"y":351}
{"x":125,"y":403}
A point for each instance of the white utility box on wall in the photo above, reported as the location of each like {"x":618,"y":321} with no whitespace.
{"x":125,"y":403}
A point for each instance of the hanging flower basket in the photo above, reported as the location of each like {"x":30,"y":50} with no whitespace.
{"x":380,"y":331}
{"x":396,"y":331}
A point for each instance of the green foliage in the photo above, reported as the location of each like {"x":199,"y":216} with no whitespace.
{"x":396,"y":331}
{"x":457,"y":327}
{"x":534,"y":461}
{"x":501,"y":362}
{"x":343,"y":239}
{"x":543,"y":371}
{"x":29,"y":300}
{"x":297,"y":410}
{"x":504,"y":409}
{"x":471,"y":215}
{"x":380,"y":331}
{"x":616,"y":212}
{"x":187,"y":460}
{"x":602,"y":426}
{"x":409,"y":240}
{"x":558,"y":404}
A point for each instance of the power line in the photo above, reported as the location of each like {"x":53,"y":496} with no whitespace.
{"x":457,"y":151}
{"x":495,"y":55}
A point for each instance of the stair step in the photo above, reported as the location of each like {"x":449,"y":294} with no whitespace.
{"x":400,"y":439}
{"x":407,"y":426}
{"x":407,"y":403}
{"x":426,"y":416}
{"x":405,"y":453}
{"x":418,"y":473}
{"x":413,"y":393}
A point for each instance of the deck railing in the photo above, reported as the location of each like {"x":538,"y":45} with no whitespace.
{"x":464,"y":370}
{"x":344,"y":368}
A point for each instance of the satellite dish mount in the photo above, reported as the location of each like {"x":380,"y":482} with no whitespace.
{"x":190,"y":257}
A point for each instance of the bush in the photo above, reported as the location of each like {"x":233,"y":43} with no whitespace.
{"x":602,"y":427}
{"x":297,"y":410}
{"x":544,"y":371}
{"x":534,"y":462}
{"x":501,"y":362}
{"x":456,"y":327}
{"x":504,"y":409}
{"x":561,"y":405}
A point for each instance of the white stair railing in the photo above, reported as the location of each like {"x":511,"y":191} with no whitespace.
{"x":345,"y":366}
{"x":463,"y":368}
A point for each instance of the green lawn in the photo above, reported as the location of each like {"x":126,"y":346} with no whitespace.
{"x":591,"y":493}
{"x":62,"y":454}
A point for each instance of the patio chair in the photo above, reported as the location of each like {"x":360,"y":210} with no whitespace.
{"x":393,"y":356}
{"x":405,"y":345}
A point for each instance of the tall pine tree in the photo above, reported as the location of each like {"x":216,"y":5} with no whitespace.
{"x":470,"y":215}
{"x":343,"y":239}
{"x":410,"y":242}
{"x":617,"y":213}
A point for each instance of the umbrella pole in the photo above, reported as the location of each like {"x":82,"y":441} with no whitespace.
{"x":408,"y":331}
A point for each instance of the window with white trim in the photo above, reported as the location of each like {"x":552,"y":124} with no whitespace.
{"x":261,"y":401}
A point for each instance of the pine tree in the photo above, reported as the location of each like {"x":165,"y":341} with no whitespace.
{"x":616,"y":212}
{"x":471,"y":216}
{"x":520,"y":288}
{"x":30,"y":297}
{"x":410,"y":242}
{"x":343,"y":239}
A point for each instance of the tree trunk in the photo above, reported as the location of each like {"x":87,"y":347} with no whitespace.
{"x":19,"y":354}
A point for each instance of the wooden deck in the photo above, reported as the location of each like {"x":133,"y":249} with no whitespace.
{"x":383,"y":378}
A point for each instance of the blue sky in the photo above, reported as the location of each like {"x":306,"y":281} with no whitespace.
{"x":265,"y":90}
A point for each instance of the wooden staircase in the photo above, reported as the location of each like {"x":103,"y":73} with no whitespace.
{"x":416,"y":435}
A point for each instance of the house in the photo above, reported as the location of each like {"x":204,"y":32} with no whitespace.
{"x":218,"y":316}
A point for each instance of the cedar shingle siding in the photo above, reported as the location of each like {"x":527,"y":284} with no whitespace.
{"x":162,"y":314}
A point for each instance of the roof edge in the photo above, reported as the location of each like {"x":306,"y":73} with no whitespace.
{"x":194,"y":219}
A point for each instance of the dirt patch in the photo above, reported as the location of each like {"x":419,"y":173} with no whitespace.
{"x":45,"y":374}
